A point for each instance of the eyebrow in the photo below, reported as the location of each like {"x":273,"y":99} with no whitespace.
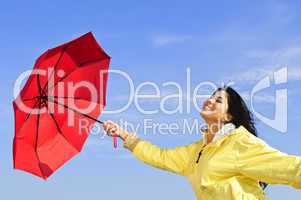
{"x":219,"y":98}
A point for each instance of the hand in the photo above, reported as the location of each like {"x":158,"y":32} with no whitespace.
{"x":112,"y":129}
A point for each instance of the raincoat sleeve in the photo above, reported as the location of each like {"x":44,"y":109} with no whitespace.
{"x":261,"y":162}
{"x":175,"y":160}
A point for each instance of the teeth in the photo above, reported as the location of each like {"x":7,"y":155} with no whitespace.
{"x":207,"y":108}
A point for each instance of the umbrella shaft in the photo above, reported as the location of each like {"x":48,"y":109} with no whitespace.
{"x":83,"y":114}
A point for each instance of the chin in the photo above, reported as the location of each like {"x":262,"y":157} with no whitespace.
{"x":207,"y":115}
{"x":204,"y":115}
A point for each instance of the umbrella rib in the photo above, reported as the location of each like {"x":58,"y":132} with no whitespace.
{"x":55,"y":66}
{"x":74,"y":110}
{"x":60,"y":131}
{"x":90,"y":61}
{"x":37,"y":138}
{"x":56,"y":124}
{"x":34,"y":106}
{"x":30,"y":99}
{"x":52,"y":86}
{"x":39,"y":85}
{"x":71,"y":73}
{"x":28,"y":115}
{"x":38,"y":123}
{"x":37,"y":130}
{"x":58,"y":97}
{"x":60,"y":80}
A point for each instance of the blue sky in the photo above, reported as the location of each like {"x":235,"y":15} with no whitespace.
{"x":241,"y":41}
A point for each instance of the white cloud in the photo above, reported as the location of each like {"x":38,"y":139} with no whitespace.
{"x":162,"y":40}
{"x":270,"y":61}
{"x":283,"y":55}
{"x":262,"y":98}
{"x":294,"y":73}
{"x":250,"y":75}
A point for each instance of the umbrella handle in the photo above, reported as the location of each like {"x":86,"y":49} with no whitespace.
{"x":115,"y":140}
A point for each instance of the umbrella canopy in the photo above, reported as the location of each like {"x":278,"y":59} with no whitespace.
{"x":61,"y":99}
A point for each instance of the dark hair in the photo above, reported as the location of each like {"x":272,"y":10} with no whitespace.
{"x":240,"y":114}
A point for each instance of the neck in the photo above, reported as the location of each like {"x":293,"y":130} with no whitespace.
{"x":213,"y":128}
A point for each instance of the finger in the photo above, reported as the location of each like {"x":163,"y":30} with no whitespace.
{"x":110,"y":126}
{"x":114,"y":130}
{"x":110,"y":122}
{"x":111,"y":130}
{"x":105,"y":125}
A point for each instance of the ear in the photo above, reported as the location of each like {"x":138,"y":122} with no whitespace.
{"x":228,"y":117}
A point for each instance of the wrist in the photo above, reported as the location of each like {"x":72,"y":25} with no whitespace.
{"x":123,"y":135}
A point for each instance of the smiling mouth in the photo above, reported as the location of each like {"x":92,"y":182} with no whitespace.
{"x":207,"y":108}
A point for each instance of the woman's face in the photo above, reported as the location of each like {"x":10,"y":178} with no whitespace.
{"x":215,"y":108}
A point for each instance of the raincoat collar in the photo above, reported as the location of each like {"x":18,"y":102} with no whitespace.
{"x":225,"y":130}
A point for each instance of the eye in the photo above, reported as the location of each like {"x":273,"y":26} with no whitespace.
{"x":219,"y":100}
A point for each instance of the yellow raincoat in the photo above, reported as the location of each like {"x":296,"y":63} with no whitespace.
{"x":228,"y":169}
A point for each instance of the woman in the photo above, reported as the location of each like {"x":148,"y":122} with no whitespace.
{"x":230,"y":162}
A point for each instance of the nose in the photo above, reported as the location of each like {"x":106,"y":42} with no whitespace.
{"x":211,"y":101}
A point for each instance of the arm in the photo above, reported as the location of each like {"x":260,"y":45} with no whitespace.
{"x":261,"y":162}
{"x":175,"y":160}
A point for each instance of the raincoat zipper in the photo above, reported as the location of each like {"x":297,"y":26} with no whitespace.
{"x":200,"y":153}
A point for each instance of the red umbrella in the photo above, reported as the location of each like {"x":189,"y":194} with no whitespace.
{"x":51,"y":131}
